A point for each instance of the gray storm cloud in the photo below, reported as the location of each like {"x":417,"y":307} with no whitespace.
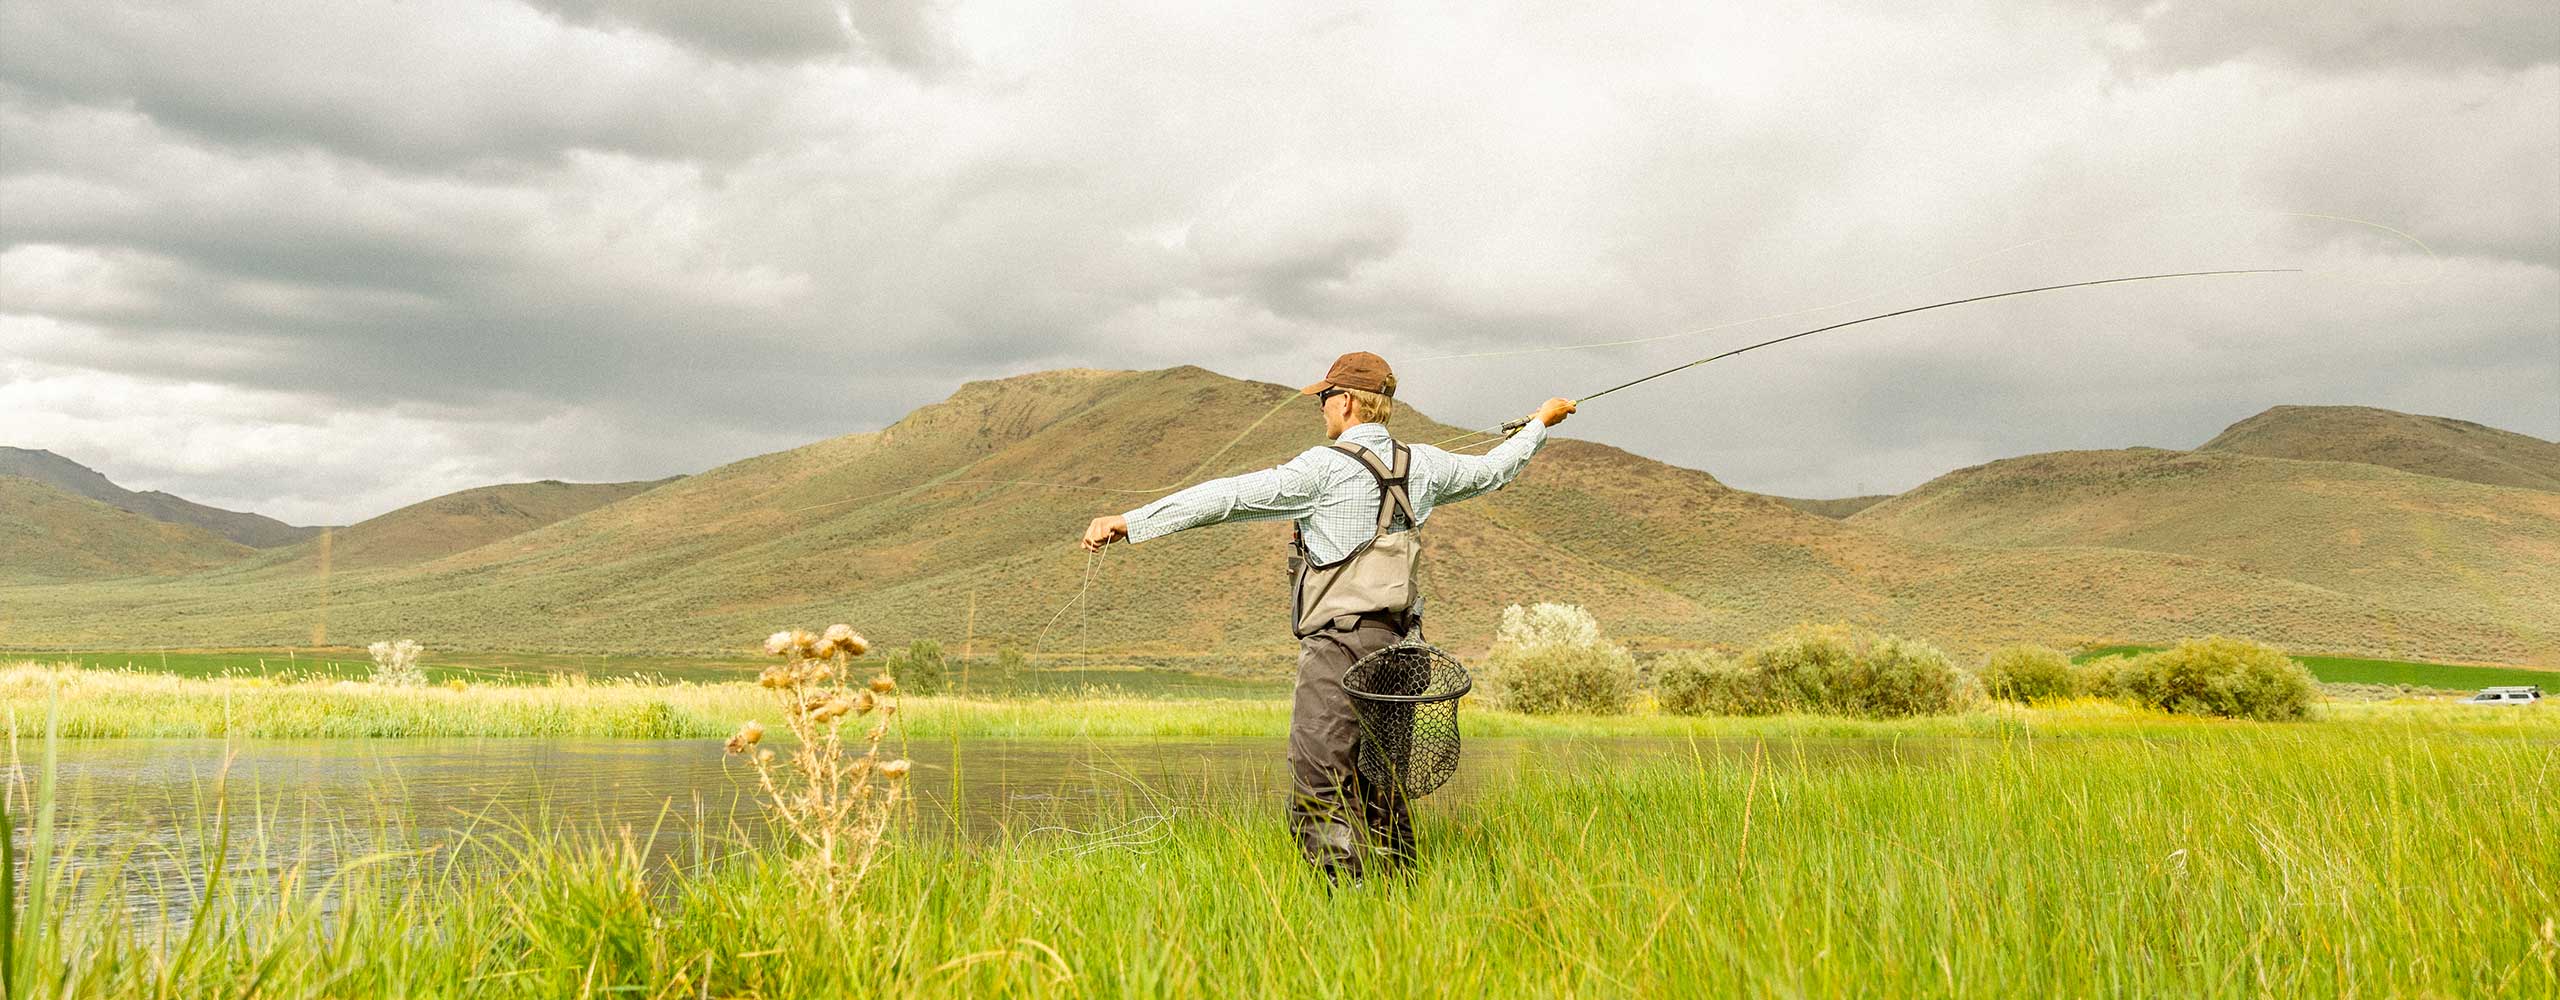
{"x":322,"y":259}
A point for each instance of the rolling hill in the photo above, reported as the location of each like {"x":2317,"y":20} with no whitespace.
{"x":1836,"y":508}
{"x":2397,"y":538}
{"x":253,"y":530}
{"x":457,"y":522}
{"x":2429,"y":446}
{"x":50,"y":534}
{"x":959,"y":520}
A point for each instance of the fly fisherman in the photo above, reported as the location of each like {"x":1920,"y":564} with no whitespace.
{"x":1359,"y":505}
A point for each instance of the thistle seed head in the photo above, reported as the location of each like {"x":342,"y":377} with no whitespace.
{"x":841,"y":636}
{"x":883,"y":685}
{"x":896,"y":768}
{"x":779,"y":643}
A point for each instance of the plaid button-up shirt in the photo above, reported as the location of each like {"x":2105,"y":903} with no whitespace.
{"x":1332,"y":497}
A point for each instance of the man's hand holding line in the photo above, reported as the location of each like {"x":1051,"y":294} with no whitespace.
{"x":1104,"y":531}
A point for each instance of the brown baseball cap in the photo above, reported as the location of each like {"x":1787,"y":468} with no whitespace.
{"x":1357,"y":370}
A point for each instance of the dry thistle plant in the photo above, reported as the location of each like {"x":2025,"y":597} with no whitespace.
{"x":835,"y":802}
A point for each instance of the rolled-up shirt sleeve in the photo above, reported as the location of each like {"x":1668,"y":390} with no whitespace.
{"x":1286,"y":491}
{"x":1474,"y":475}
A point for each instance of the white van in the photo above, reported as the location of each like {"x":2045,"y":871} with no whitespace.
{"x":2505,"y":696}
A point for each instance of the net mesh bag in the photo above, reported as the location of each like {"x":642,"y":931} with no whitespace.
{"x":1407,"y":699}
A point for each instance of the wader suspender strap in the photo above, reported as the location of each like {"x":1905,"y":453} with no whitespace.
{"x":1392,"y":501}
{"x":1392,"y":498}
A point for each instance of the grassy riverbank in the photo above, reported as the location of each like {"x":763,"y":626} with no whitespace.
{"x":2354,"y":857}
{"x":96,"y":704}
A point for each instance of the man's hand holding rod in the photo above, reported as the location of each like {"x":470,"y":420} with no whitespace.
{"x":1550,"y":414}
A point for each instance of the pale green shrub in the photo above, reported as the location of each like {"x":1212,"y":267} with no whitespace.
{"x":1552,"y":658}
{"x":1839,"y":670}
{"x":920,"y":668}
{"x":2028,"y":673}
{"x":2216,"y":675}
{"x":395,"y":664}
{"x":1004,"y":672}
{"x":1692,"y":682}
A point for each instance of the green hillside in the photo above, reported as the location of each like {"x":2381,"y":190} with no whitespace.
{"x":2429,"y":446}
{"x":903,"y":532}
{"x":48,"y":534}
{"x":255,"y":530}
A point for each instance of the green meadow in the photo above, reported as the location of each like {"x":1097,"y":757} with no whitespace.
{"x":2072,"y":848}
{"x":2367,"y":855}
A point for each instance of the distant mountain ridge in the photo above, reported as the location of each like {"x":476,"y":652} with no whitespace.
{"x":2429,"y":446}
{"x":51,"y":534}
{"x":958,"y":522}
{"x":253,"y":530}
{"x":2403,"y":539}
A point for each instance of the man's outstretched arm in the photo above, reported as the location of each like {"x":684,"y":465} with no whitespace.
{"x":1288,"y":491}
{"x":1475,"y":475}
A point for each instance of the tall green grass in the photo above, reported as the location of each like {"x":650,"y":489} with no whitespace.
{"x":2355,"y":859}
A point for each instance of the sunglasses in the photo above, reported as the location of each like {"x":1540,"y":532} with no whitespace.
{"x":1325,"y":395}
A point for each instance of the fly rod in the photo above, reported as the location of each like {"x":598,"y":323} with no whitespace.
{"x":1524,"y":421}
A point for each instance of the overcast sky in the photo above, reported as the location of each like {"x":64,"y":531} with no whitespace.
{"x":321,"y":258}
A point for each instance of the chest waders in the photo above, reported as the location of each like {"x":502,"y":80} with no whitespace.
{"x":1404,"y":696}
{"x":1376,"y":578}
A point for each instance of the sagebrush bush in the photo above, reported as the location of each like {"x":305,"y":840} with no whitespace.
{"x":2028,"y":673}
{"x":1552,"y":658}
{"x":1003,"y":673}
{"x":2215,"y":675}
{"x":920,"y":668}
{"x":1839,"y":670}
{"x":1694,"y":682}
{"x":395,"y":664}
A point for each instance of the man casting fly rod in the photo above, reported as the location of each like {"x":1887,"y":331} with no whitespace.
{"x":1359,"y":505}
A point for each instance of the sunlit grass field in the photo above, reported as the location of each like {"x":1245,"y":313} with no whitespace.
{"x":1182,"y":677}
{"x":94,"y":704}
{"x":2375,"y":853}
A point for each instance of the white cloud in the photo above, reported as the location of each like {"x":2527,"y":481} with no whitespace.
{"x":473,"y":226}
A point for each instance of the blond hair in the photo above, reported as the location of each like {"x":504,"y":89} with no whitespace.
{"x":1370,"y":407}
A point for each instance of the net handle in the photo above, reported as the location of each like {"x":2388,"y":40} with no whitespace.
{"x":1414,"y":699}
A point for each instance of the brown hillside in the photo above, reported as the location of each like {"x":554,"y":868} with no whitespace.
{"x":1835,"y":509}
{"x":906,"y":530}
{"x":2406,"y":540}
{"x":49,"y":534}
{"x":2429,"y":446}
{"x":457,"y":522}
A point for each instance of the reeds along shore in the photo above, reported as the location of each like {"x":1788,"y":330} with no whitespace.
{"x":2346,"y":857}
{"x":96,"y":704}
